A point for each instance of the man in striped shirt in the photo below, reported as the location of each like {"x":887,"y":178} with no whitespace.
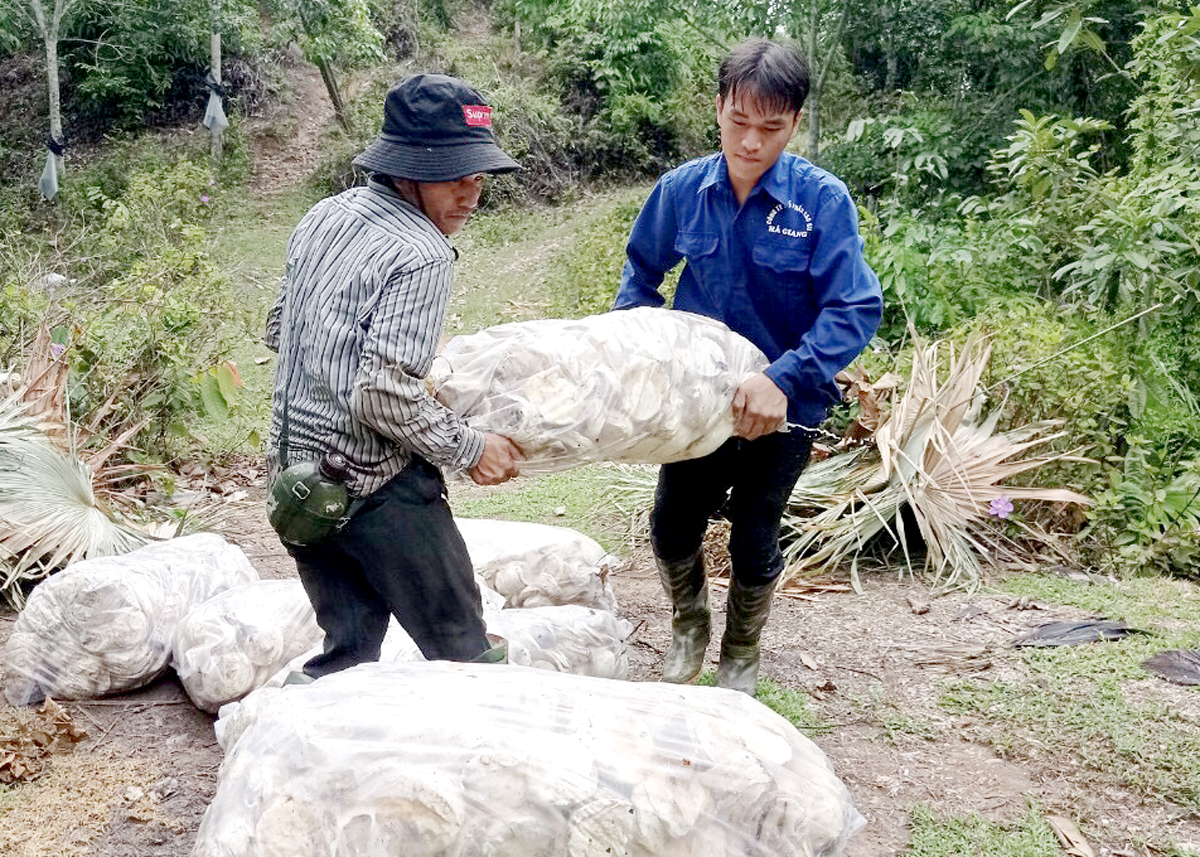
{"x":356,"y":326}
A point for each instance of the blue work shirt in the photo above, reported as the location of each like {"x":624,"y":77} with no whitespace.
{"x":785,"y":270}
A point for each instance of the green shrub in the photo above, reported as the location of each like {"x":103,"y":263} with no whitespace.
{"x":133,"y":61}
{"x":142,"y":312}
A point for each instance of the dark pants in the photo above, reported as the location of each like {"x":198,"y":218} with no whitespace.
{"x":400,"y":554}
{"x":751,"y":481}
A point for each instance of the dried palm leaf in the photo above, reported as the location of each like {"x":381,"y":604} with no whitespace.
{"x":49,"y":515}
{"x":936,"y":454}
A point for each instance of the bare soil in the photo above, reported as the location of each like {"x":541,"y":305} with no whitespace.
{"x":871,"y":665}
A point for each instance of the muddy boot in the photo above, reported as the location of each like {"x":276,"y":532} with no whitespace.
{"x":687,"y":588}
{"x":745,"y":616}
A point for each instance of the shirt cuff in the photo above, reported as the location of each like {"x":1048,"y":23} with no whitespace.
{"x":470,"y":449}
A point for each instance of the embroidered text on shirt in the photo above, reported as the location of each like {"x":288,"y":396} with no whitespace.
{"x":779,"y":229}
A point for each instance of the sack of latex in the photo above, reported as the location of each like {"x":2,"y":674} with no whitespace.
{"x":106,"y":625}
{"x":643,"y":385}
{"x":538,"y":565}
{"x":469,"y":760}
{"x":237,"y":640}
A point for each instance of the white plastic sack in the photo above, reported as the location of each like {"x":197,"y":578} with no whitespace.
{"x":454,"y":760}
{"x":397,"y":647}
{"x":569,"y":639}
{"x":105,"y":625}
{"x":644,"y":385}
{"x":537,"y":565}
{"x":235,"y":641}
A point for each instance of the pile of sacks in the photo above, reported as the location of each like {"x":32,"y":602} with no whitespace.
{"x":195,"y":604}
{"x":434,"y":759}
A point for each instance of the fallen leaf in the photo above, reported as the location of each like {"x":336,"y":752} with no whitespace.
{"x":1070,"y":837}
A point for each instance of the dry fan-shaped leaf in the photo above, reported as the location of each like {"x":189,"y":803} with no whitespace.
{"x":936,"y":454}
{"x":49,"y":516}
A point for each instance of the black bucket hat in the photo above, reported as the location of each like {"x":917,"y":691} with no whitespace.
{"x":435,"y":129}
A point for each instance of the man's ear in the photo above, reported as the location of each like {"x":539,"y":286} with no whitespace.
{"x":796,"y":123}
{"x":720,"y":104}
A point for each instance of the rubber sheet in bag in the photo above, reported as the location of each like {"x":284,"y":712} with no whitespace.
{"x":644,"y":385}
{"x":105,"y":625}
{"x":464,"y":760}
{"x":538,"y":565}
{"x":397,"y":645}
{"x":567,"y":638}
{"x":236,"y":640}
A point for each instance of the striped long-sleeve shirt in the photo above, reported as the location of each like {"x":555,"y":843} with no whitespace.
{"x":356,"y":326}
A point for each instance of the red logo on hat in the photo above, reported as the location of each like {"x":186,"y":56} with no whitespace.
{"x":477,"y":115}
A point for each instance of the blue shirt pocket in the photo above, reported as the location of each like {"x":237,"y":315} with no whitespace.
{"x":786,"y":289}
{"x":706,"y":269}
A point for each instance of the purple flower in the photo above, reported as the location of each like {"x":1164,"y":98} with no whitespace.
{"x":56,"y":350}
{"x":1000,"y":507}
{"x":204,"y":199}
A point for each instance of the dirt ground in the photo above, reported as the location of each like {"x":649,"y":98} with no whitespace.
{"x":139,"y":783}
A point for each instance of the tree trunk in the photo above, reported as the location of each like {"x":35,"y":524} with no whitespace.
{"x":813,"y":102}
{"x":335,"y":95}
{"x":49,"y":32}
{"x":56,"y":129}
{"x":217,"y":144}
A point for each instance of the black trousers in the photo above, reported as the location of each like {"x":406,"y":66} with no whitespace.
{"x":751,"y":481}
{"x":400,"y":555}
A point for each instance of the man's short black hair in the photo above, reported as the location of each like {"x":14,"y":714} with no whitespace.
{"x":772,"y":74}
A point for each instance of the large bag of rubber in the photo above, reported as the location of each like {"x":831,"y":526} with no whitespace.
{"x":105,"y":625}
{"x":644,"y":385}
{"x":538,"y":565}
{"x":567,"y":638}
{"x":235,"y":641}
{"x":466,"y":760}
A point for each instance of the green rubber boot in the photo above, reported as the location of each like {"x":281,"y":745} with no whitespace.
{"x":745,"y":616}
{"x":691,"y":620}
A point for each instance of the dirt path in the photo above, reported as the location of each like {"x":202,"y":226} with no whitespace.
{"x":286,"y":140}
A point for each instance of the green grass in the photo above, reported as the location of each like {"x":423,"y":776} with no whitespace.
{"x":1076,"y":701}
{"x":935,"y":835}
{"x":249,"y":245}
{"x":792,"y":705}
{"x":560,"y":262}
{"x":572,"y":499}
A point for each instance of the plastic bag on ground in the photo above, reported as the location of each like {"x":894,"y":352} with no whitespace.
{"x":645,"y":385}
{"x":537,"y":565}
{"x":105,"y":625}
{"x":455,"y":760}
{"x":569,"y":639}
{"x":236,"y":640}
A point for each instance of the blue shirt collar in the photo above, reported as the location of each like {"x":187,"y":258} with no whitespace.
{"x":775,"y":182}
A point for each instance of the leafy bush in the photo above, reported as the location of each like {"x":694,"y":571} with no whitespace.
{"x":909,"y":157}
{"x":135,"y":301}
{"x":640,"y":84}
{"x":129,"y":61}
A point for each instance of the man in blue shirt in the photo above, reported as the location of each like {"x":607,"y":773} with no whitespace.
{"x":772,"y":249}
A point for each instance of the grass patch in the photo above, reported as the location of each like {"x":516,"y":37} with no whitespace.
{"x":249,"y":245}
{"x":568,"y":499}
{"x":562,"y":262}
{"x":791,"y":705}
{"x":1095,"y":702}
{"x":893,"y":721}
{"x":934,"y":835}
